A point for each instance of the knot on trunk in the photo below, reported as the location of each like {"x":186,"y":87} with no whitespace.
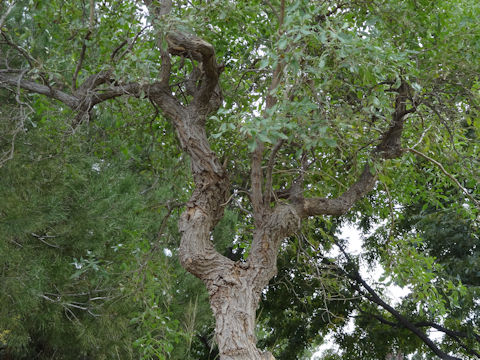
{"x":284,"y":220}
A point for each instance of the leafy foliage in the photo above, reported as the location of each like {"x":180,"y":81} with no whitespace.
{"x":89,"y":203}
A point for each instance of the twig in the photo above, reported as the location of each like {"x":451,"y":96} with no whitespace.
{"x":240,"y":206}
{"x":117,"y":49}
{"x":132,"y":44}
{"x":8,"y":155}
{"x":21,"y":50}
{"x":16,"y":243}
{"x":273,"y":10}
{"x":4,"y":16}
{"x":421,"y":138}
{"x":450,"y":176}
{"x":80,"y":61}
{"x":42,"y":239}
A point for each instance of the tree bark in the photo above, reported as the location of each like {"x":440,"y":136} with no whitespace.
{"x":234,"y":304}
{"x":234,"y":287}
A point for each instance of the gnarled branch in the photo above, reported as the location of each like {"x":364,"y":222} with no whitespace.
{"x":388,"y":148}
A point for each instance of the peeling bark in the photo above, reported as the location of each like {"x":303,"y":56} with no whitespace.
{"x":234,"y":300}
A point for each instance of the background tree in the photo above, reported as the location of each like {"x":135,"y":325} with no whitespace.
{"x":287,"y":110}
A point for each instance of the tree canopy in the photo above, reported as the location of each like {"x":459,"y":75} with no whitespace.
{"x":143,"y":142}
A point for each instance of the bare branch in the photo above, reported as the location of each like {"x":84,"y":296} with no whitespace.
{"x":42,"y":239}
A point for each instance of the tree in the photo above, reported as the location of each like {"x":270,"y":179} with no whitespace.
{"x":312,"y":106}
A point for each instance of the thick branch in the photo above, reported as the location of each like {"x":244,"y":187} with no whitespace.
{"x":390,"y":144}
{"x":257,"y":197}
{"x":32,"y":86}
{"x":388,"y":148}
{"x":193,"y":47}
{"x":159,"y":8}
{"x":455,"y":335}
{"x":165,"y":68}
{"x":449,"y":332}
{"x":93,"y":81}
{"x":340,"y":205}
{"x":87,"y":95}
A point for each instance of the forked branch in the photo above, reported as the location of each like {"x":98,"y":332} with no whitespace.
{"x":388,"y":148}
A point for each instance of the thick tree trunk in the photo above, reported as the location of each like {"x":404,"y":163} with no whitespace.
{"x":234,"y":287}
{"x":234,"y":306}
{"x":233,"y":295}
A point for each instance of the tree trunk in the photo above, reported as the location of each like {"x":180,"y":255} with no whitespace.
{"x":234,"y":305}
{"x":234,"y":287}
